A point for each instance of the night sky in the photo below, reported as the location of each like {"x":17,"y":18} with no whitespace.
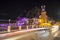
{"x":13,"y":9}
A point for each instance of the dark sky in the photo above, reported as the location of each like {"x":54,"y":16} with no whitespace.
{"x":11,"y":9}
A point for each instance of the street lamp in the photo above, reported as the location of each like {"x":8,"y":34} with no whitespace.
{"x":19,"y":27}
{"x":9,"y":27}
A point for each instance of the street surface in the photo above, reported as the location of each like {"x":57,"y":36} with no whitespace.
{"x":37,"y":35}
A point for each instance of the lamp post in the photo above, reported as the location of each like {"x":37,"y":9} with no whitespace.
{"x":27,"y":27}
{"x":9,"y":27}
{"x":27,"y":23}
{"x":19,"y":27}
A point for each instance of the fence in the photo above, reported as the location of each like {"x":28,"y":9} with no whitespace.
{"x":9,"y":26}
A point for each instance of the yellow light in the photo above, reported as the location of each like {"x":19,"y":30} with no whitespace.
{"x":27,"y":27}
{"x":49,"y":24}
{"x":19,"y":27}
{"x":41,"y":20}
{"x":55,"y":28}
{"x":9,"y":27}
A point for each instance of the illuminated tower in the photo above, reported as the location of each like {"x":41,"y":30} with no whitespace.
{"x":43,"y":15}
{"x":43,"y":18}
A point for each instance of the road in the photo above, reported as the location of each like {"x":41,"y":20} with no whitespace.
{"x":37,"y":35}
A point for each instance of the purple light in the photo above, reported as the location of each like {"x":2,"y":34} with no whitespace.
{"x":19,"y":18}
{"x":3,"y":24}
{"x":6,"y":24}
{"x":25,"y":19}
{"x":22,"y":21}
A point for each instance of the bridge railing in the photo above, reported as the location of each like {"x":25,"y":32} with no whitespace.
{"x":9,"y":26}
{"x":19,"y":25}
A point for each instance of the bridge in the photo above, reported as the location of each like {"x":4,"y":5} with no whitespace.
{"x":31,"y":34}
{"x":30,"y":29}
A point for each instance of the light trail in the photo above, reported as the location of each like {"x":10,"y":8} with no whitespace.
{"x":20,"y":32}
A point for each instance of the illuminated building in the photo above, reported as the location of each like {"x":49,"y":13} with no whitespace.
{"x":43,"y":18}
{"x":21,"y":22}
